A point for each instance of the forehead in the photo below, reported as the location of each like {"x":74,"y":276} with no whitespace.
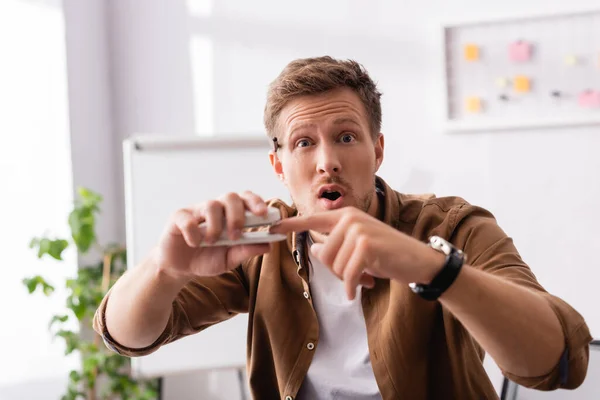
{"x":336,"y":105}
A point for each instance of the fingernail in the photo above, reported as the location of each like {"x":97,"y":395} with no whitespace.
{"x":352,"y":294}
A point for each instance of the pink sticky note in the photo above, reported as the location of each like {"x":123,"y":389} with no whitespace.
{"x":519,"y":51}
{"x":590,"y":98}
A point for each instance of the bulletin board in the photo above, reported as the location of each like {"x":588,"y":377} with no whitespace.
{"x":526,"y":72}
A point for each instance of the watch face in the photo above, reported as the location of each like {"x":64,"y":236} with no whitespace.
{"x":440,"y":244}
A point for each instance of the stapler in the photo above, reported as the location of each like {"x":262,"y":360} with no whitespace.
{"x":249,"y":237}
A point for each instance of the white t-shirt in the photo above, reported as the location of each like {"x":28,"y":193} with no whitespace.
{"x":341,"y":366}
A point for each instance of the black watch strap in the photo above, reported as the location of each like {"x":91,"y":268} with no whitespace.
{"x":445,"y":278}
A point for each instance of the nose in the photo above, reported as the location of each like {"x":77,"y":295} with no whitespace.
{"x":328,"y":161}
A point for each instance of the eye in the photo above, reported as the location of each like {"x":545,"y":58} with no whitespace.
{"x":347,"y":138}
{"x":303,"y":143}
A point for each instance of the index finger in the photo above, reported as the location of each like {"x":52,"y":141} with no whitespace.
{"x":323,"y":222}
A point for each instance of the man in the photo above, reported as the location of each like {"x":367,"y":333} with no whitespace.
{"x":375,"y":294}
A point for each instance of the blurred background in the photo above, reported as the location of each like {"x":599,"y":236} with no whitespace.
{"x":77,"y":77}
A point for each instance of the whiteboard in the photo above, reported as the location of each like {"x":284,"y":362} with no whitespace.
{"x":164,"y":174}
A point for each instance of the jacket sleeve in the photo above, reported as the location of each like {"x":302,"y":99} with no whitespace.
{"x":488,"y":248}
{"x":201,"y":303}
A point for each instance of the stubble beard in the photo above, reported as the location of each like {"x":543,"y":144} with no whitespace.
{"x":363,"y":203}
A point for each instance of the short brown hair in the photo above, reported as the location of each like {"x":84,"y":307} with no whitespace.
{"x":307,"y":76}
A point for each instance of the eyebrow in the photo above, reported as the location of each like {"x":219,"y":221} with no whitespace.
{"x":337,"y":121}
{"x":343,"y":120}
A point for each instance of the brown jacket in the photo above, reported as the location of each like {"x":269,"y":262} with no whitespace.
{"x":418,"y":349}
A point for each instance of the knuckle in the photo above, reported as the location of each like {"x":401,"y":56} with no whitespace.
{"x":229,"y":197}
{"x":353,"y":212}
{"x":357,"y":231}
{"x":362,"y":243}
{"x":211,"y":205}
{"x":177,"y":215}
{"x":350,"y":216}
{"x":180,"y":217}
{"x":345,"y":219}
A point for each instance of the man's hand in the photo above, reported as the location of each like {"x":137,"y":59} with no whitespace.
{"x":179,"y":253}
{"x":359,"y":245}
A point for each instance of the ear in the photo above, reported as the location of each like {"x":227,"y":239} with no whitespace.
{"x":276,"y":164}
{"x":379,"y":145}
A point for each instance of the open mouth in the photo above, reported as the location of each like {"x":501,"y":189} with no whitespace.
{"x":331,"y":195}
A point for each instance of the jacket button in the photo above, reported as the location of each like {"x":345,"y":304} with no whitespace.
{"x":306,"y":295}
{"x":288,"y":398}
{"x":310,"y":346}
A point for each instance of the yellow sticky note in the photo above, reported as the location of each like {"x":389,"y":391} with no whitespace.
{"x":471,"y":52}
{"x":521,"y":84}
{"x":473,"y":104}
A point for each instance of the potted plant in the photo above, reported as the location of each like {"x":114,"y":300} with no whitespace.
{"x":102,"y":374}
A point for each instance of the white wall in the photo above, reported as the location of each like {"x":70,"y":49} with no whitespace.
{"x":129,"y":61}
{"x":36,"y":187}
{"x":94,"y":148}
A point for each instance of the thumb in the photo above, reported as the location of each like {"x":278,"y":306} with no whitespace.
{"x":238,"y":254}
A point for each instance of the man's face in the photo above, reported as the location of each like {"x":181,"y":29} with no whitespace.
{"x":328,"y":158}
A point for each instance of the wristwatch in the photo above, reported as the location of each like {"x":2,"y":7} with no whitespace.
{"x":455,"y":259}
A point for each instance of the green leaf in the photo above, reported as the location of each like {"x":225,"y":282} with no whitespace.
{"x":90,"y":198}
{"x":72,"y":340}
{"x":57,"y":247}
{"x":33,"y":283}
{"x":77,"y":307}
{"x":58,"y":318}
{"x":82,"y":223}
{"x":89,"y":364}
{"x":114,"y":363}
{"x":48,"y":289}
{"x":53,"y":248}
{"x":149,"y":394}
{"x":35,"y":242}
{"x":74,"y":376}
{"x":73,"y":393}
{"x":44,"y":247}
